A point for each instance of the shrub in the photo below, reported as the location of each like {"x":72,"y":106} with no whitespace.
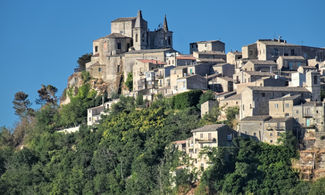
{"x":187,"y":99}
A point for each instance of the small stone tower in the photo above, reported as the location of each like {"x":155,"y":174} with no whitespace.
{"x":140,"y":33}
{"x":313,"y":84}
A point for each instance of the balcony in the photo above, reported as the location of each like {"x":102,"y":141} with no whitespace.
{"x":202,"y":140}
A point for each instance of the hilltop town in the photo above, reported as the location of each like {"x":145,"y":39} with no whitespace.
{"x":276,"y":86}
{"x":140,"y":117}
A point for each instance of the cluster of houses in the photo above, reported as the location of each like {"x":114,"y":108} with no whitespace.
{"x":276,"y":85}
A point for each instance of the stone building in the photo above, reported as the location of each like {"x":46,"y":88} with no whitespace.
{"x":207,"y":107}
{"x":265,"y":128}
{"x":188,"y":83}
{"x":130,"y":39}
{"x":260,"y":66}
{"x":144,"y":74}
{"x":271,"y":49}
{"x":221,"y":84}
{"x":283,"y":106}
{"x":255,"y":99}
{"x":207,"y":46}
{"x":216,"y":135}
{"x":224,"y":69}
{"x":94,"y":114}
{"x":310,"y":80}
{"x":232,"y":57}
{"x":290,"y":62}
{"x":310,"y":115}
{"x":175,"y":59}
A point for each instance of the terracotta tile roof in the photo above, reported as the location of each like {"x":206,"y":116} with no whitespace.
{"x":152,"y":61}
{"x":180,"y":142}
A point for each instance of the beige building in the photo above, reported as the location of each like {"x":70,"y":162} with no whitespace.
{"x":94,"y":115}
{"x":130,"y":39}
{"x":204,"y":46}
{"x":291,"y":63}
{"x":255,"y":99}
{"x":188,"y":83}
{"x":271,"y":49}
{"x":221,"y":84}
{"x":224,"y":69}
{"x":310,"y":115}
{"x":144,"y":73}
{"x":216,"y":135}
{"x":233,"y":57}
{"x":283,"y":106}
{"x":265,"y":128}
{"x":207,"y":107}
{"x":260,"y":66}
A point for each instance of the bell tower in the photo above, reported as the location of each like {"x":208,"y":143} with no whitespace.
{"x":140,"y":33}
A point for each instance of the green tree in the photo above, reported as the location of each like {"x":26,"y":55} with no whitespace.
{"x":129,"y":81}
{"x":82,"y":60}
{"x":47,"y":95}
{"x":22,"y":104}
{"x":208,"y":95}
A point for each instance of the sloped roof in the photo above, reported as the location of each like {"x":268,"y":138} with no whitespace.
{"x":286,"y":97}
{"x":124,"y":19}
{"x":262,"y":62}
{"x":256,"y":118}
{"x":284,"y":89}
{"x":185,"y":57}
{"x":152,"y":61}
{"x":213,"y":127}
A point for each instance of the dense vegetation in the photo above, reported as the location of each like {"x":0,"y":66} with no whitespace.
{"x":130,"y":151}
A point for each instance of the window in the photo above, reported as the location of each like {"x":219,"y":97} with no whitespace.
{"x":254,"y":134}
{"x":136,"y":37}
{"x":209,"y":136}
{"x":292,"y":52}
{"x":118,"y":68}
{"x":96,"y":48}
{"x":279,"y":133}
{"x":201,"y":135}
{"x":271,"y":141}
{"x":263,"y":94}
{"x":99,"y":69}
{"x":118,"y":45}
{"x":276,"y":106}
{"x":271,"y":134}
{"x":287,"y":105}
{"x":169,"y":41}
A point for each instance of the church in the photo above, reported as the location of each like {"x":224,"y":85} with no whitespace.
{"x":115,"y":54}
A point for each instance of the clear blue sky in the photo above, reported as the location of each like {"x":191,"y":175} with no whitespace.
{"x":40,"y":41}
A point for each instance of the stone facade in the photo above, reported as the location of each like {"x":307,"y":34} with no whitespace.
{"x":217,"y":135}
{"x":271,"y":49}
{"x":265,"y":128}
{"x":114,"y":55}
{"x":207,"y":107}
